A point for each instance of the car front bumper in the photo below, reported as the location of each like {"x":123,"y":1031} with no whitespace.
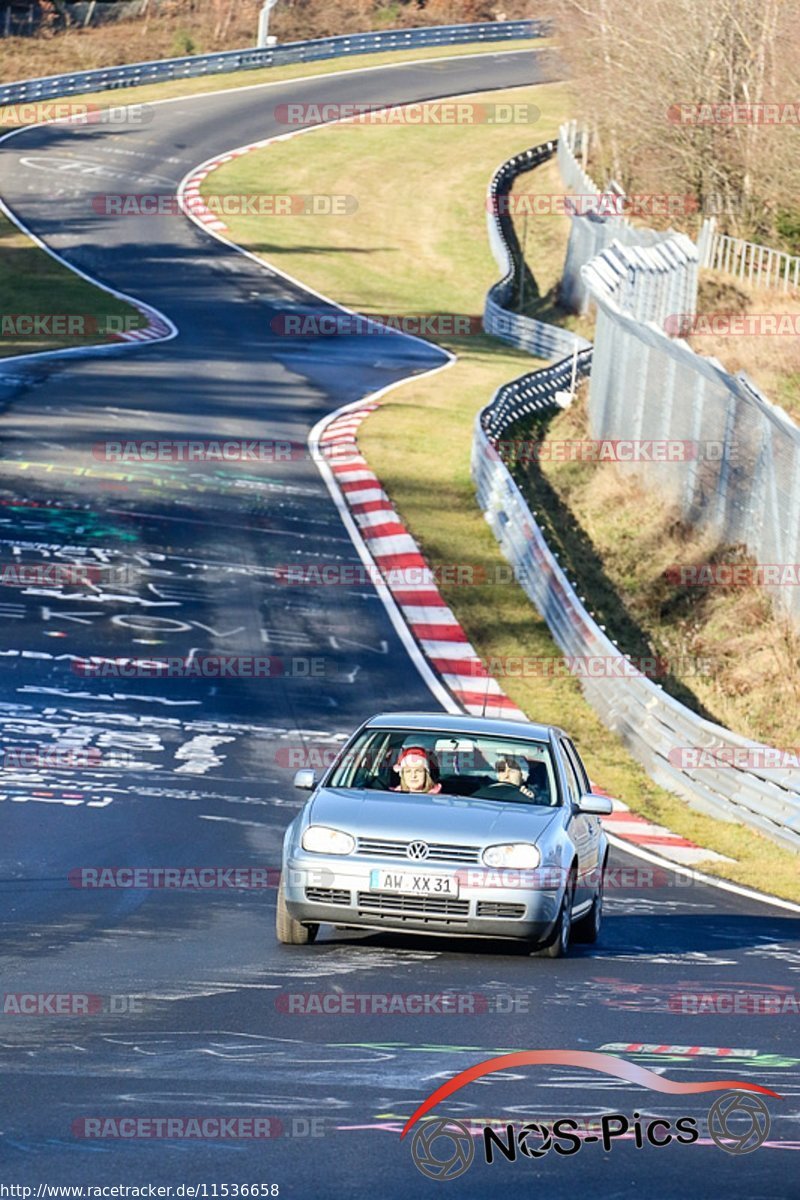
{"x":337,"y":891}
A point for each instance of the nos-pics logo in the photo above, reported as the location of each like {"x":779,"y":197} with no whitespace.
{"x":738,"y":1121}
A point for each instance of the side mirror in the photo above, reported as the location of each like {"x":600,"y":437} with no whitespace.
{"x":305,"y":779}
{"x":596,"y":806}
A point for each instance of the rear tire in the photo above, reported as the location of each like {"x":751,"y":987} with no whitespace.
{"x":558,"y":946}
{"x":291,"y":932}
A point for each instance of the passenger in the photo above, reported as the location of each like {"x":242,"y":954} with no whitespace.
{"x":418,"y":771}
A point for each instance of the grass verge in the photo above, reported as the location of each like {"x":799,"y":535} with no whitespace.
{"x":39,"y":297}
{"x":417,"y":244}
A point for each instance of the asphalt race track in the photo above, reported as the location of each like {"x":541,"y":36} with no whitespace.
{"x":206,"y":774}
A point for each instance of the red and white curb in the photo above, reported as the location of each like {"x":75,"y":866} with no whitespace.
{"x":157,"y":329}
{"x":408,"y":576}
{"x":193,"y":204}
{"x":630,"y":827}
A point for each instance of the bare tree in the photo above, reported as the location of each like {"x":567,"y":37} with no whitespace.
{"x":636,"y":71}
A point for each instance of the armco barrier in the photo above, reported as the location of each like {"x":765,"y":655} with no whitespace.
{"x":650,"y":723}
{"x":526,"y":333}
{"x":344,"y":46}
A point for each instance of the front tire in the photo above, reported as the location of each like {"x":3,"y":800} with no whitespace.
{"x":587,"y":930}
{"x":558,"y":946}
{"x":291,"y":932}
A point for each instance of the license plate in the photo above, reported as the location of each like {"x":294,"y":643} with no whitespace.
{"x":416,"y":885}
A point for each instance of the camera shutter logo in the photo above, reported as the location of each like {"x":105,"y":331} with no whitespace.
{"x":527,"y":1140}
{"x":460,"y":1157}
{"x":730,"y":1107}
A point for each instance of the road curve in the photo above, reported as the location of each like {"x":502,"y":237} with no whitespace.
{"x":206,"y":777}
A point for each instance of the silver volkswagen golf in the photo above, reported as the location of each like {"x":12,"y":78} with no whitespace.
{"x":448,"y":825}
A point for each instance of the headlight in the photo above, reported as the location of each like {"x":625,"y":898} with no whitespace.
{"x":513,"y":854}
{"x":319,"y":839}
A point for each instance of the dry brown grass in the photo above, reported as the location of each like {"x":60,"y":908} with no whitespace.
{"x":771,"y":360}
{"x":732,"y":653}
{"x":177,"y":27}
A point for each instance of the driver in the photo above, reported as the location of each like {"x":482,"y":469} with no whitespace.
{"x":511,"y":771}
{"x":418,"y":771}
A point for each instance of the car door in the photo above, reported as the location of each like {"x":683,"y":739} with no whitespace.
{"x":584,"y":829}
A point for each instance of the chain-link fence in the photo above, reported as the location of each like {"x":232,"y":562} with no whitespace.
{"x":597,"y":219}
{"x":738,"y":477}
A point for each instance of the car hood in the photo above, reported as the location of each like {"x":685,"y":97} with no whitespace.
{"x":454,"y":819}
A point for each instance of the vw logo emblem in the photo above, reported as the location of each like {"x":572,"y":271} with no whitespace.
{"x":747,"y":1110}
{"x":417,"y":850}
{"x":456,"y":1144}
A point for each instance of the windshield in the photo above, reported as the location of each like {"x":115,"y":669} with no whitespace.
{"x":486,"y":768}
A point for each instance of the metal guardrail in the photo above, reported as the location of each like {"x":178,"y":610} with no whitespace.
{"x":525,"y":333}
{"x":654,"y":726}
{"x":195,"y":65}
{"x":534,"y":394}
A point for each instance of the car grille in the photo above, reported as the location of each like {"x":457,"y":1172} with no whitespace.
{"x":490,"y":908}
{"x":327,"y":895}
{"x":437,"y":851}
{"x":393,"y":904}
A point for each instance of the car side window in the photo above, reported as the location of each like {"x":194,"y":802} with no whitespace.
{"x":573,"y":787}
{"x":579,"y":768}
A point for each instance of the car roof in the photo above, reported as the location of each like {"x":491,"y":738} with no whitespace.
{"x":456,"y":723}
